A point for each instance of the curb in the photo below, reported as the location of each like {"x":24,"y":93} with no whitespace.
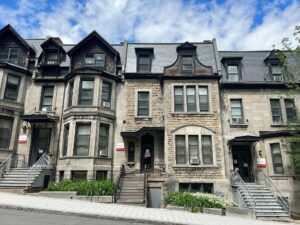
{"x":96,"y":216}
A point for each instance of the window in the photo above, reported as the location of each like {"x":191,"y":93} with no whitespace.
{"x":82,"y":140}
{"x":187,"y":63}
{"x":191,"y":99}
{"x":131,"y":151}
{"x":180,"y":149}
{"x":233,"y":73}
{"x":143,"y":103}
{"x":178,"y":99}
{"x":203,"y":99}
{"x":86,"y":92}
{"x":6,"y":125}
{"x":47,"y":98}
{"x":186,"y":96}
{"x":194,"y":149}
{"x":103,"y":139}
{"x":12,"y":88}
{"x":144,"y":63}
{"x":276,"y":70}
{"x":61,"y":175}
{"x":295,"y":152}
{"x":78,"y":175}
{"x":207,"y":153}
{"x":237,"y":116}
{"x":276,"y":158}
{"x":70,"y":99}
{"x":196,"y":187}
{"x":66,"y":139}
{"x":52,"y":58}
{"x":9,"y":53}
{"x":101,"y":175}
{"x":276,"y":111}
{"x":95,"y":59}
{"x":290,"y":110}
{"x":106,"y":94}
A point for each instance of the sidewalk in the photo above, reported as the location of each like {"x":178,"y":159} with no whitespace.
{"x":117,"y":211}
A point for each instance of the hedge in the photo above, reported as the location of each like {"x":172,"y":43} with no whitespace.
{"x":196,"y":201}
{"x":99,"y":188}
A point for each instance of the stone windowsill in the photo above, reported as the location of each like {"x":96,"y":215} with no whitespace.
{"x":5,"y":150}
{"x":194,"y":166}
{"x":278,"y":125}
{"x":242,"y":125}
{"x":85,"y":157}
{"x":143,"y":117}
{"x":192,"y":113}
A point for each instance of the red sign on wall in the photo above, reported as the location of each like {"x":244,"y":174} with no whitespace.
{"x":120,"y":147}
{"x":22,"y":139}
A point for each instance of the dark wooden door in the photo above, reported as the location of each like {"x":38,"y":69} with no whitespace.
{"x":40,"y":144}
{"x":147,"y":152}
{"x":242,"y":161}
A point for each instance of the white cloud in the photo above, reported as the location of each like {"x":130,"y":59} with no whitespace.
{"x":158,"y":21}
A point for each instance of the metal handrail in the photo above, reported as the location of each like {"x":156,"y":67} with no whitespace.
{"x":44,"y":162}
{"x":119,"y":184}
{"x":238,"y":181}
{"x":279,"y":196}
{"x":5,"y":165}
{"x":145,"y":186}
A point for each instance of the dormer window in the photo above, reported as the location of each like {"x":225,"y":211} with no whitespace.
{"x":233,"y":72}
{"x":232,"y":67}
{"x":9,"y":53}
{"x":187,"y":63}
{"x":52,"y":58}
{"x":94,"y":59}
{"x":276,"y":70}
{"x":144,"y":59}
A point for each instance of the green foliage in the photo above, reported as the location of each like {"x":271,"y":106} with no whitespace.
{"x":290,"y":57}
{"x":89,"y":188}
{"x":196,"y":201}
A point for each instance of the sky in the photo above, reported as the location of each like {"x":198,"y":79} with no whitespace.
{"x":236,"y":24}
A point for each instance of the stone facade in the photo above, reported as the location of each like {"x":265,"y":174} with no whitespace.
{"x":149,"y":138}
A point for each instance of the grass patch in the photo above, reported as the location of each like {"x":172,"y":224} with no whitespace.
{"x":88,"y":188}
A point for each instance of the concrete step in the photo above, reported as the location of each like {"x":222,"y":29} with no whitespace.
{"x":12,"y":185}
{"x":130,"y":190}
{"x":131,"y":194}
{"x":15,"y":182}
{"x":138,"y":201}
{"x":272,"y":214}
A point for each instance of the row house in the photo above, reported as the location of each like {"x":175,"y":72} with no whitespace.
{"x":186,"y":116}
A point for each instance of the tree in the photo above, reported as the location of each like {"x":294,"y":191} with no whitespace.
{"x":290,"y":58}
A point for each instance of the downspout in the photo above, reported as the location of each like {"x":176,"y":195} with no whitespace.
{"x":219,"y":71}
{"x":60,"y":128}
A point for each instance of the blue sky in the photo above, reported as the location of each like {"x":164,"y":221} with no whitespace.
{"x":237,"y":25}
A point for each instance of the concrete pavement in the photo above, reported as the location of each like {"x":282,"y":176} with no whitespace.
{"x":118,"y":211}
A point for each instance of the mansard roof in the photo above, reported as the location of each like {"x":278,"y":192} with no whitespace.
{"x":94,"y":34}
{"x":9,"y":28}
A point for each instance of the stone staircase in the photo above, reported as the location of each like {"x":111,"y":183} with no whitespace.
{"x":132,"y":189}
{"x":267,"y":205}
{"x":16,"y":178}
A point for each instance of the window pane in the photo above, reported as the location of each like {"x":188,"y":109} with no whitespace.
{"x":207,"y":149}
{"x":143,"y":103}
{"x":191,"y":99}
{"x":236,"y":111}
{"x":203,"y":99}
{"x":193,"y":147}
{"x":103,"y":139}
{"x":276,"y":110}
{"x":99,"y":56}
{"x":14,"y":53}
{"x":71,"y":86}
{"x":276,"y":158}
{"x":78,"y":175}
{"x":12,"y":86}
{"x":86,"y":92}
{"x":276,"y":70}
{"x":232,"y":69}
{"x":290,"y":110}
{"x":144,"y":60}
{"x":4,"y":52}
{"x":106,"y":92}
{"x":187,"y":62}
{"x":87,"y":84}
{"x":180,"y":149}
{"x":178,"y":99}
{"x":5,"y":132}
{"x":84,"y":129}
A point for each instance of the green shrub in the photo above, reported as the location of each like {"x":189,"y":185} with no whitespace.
{"x":102,"y":187}
{"x":196,"y":201}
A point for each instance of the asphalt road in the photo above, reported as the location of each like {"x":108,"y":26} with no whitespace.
{"x":19,"y":217}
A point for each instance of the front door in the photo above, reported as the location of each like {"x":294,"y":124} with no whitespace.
{"x":242,"y":161}
{"x":40,"y":144}
{"x":147,"y":152}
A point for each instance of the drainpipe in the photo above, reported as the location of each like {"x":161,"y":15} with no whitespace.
{"x":59,"y":132}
